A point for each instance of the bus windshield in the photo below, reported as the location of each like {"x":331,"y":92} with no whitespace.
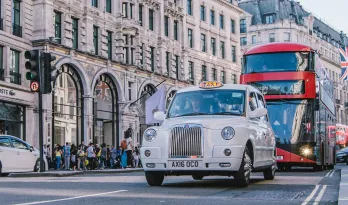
{"x":276,"y":62}
{"x":291,"y":120}
{"x":208,"y":102}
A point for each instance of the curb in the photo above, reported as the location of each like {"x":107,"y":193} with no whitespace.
{"x":65,"y":174}
{"x":43,"y":174}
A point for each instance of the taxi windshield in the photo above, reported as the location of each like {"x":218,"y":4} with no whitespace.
{"x":208,"y":102}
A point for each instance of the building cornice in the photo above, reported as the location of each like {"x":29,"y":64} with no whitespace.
{"x":231,"y":6}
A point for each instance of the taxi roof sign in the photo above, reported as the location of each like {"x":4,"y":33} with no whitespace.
{"x":210,"y":84}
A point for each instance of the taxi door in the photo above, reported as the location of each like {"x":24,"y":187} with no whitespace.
{"x":266,"y":132}
{"x":259,"y":129}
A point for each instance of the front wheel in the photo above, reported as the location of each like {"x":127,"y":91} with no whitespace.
{"x":154,"y":178}
{"x":242,"y":177}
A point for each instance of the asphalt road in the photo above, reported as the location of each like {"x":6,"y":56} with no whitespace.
{"x":300,"y":187}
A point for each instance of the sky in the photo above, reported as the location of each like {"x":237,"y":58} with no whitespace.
{"x":334,"y":12}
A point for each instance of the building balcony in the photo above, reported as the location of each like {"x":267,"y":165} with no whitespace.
{"x":15,"y":77}
{"x":1,"y":24}
{"x":171,"y":6}
{"x":17,"y":30}
{"x":2,"y":72}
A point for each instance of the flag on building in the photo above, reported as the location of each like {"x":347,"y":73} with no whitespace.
{"x":344,"y":63}
{"x":155,"y":103}
{"x":103,"y":91}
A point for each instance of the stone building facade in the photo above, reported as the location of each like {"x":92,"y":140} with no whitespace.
{"x":287,"y":21}
{"x":110,"y":54}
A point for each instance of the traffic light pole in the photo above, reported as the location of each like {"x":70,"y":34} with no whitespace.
{"x":42,"y":162}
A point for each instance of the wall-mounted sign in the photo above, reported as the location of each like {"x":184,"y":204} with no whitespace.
{"x":19,"y":95}
{"x":7,"y":92}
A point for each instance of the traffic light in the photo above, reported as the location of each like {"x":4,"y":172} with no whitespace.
{"x":32,"y":65}
{"x":48,"y":75}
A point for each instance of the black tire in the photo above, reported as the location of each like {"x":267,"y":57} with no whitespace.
{"x":37,"y":166}
{"x":197,"y":177}
{"x":242,"y":177}
{"x":154,"y":178}
{"x":269,"y":173}
{"x":3,"y":174}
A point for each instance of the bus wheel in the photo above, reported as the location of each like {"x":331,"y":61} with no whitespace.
{"x":154,"y":178}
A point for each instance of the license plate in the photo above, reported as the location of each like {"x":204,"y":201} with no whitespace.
{"x":185,"y":164}
{"x":279,"y":157}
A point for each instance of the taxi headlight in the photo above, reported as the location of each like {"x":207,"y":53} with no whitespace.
{"x":150,"y":135}
{"x":227,"y":133}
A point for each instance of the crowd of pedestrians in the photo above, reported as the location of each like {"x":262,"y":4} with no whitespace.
{"x":93,"y":156}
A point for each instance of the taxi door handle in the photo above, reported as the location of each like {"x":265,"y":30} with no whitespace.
{"x":18,"y":153}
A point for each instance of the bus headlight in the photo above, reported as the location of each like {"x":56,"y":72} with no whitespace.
{"x":306,"y":151}
{"x":150,"y":135}
{"x":227,"y":133}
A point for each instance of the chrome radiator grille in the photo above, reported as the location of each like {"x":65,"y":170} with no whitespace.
{"x":186,"y":142}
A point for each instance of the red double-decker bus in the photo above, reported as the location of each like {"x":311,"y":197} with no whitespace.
{"x":300,"y":101}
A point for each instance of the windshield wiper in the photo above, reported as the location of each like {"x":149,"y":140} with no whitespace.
{"x":192,"y":114}
{"x":225,"y":113}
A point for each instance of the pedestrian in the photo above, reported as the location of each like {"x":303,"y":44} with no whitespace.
{"x":67,"y":152}
{"x":73,"y":157}
{"x":91,"y":156}
{"x":124,"y":159}
{"x":136,"y":157}
{"x":113,"y":156}
{"x":103,"y":156}
{"x":129,"y":149}
{"x":108,"y":156}
{"x":98,"y":153}
{"x":80,"y":158}
{"x":58,"y":156}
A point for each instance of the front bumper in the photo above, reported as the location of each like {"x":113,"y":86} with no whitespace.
{"x":341,"y":159}
{"x":215,"y":161}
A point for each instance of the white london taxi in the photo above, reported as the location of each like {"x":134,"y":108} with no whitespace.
{"x":211,"y":129}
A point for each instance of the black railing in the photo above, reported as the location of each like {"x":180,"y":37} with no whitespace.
{"x":243,"y":29}
{"x":346,"y":105}
{"x":2,"y":72}
{"x":15,"y":77}
{"x":1,"y":24}
{"x":17,"y":30}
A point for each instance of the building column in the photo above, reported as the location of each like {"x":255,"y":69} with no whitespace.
{"x":87,"y":132}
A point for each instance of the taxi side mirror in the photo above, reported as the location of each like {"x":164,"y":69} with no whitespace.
{"x":258,"y":112}
{"x":159,"y":115}
{"x":31,"y":148}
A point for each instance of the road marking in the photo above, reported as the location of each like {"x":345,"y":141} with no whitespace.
{"x":328,"y":173}
{"x":71,"y":198}
{"x":320,"y":195}
{"x":333,"y":171}
{"x":308,"y":199}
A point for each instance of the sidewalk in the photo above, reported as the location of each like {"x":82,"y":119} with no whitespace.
{"x":343,"y":193}
{"x":64,"y":173}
